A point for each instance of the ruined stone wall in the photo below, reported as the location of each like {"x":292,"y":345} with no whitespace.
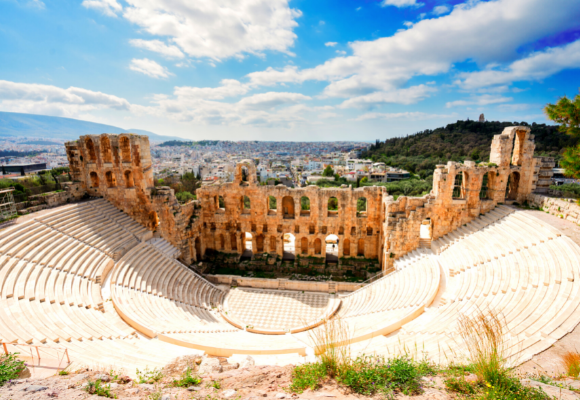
{"x":461,"y":192}
{"x":224,"y":228}
{"x":568,"y":209}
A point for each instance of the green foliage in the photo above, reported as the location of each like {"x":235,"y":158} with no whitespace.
{"x":187,"y":379}
{"x":333,"y":204}
{"x":189,"y":183}
{"x":406,"y":187}
{"x":328,"y":171}
{"x":305,"y":203}
{"x":272,"y":202}
{"x":364,"y":179}
{"x":63,"y":372}
{"x":221,"y":202}
{"x":419,"y":153}
{"x":307,"y":376}
{"x":149,"y":376}
{"x":566,"y":112}
{"x":10,"y":367}
{"x":571,"y":188}
{"x":361,"y":204}
{"x":99,"y":389}
{"x":217,"y":385}
{"x":247,"y":204}
{"x":370,"y":375}
{"x":184,"y":197}
{"x":457,"y":383}
{"x":510,"y":388}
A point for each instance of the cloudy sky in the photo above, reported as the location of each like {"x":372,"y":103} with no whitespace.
{"x":287,"y":70}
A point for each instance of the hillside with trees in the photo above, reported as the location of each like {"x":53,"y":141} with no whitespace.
{"x":463,"y":140}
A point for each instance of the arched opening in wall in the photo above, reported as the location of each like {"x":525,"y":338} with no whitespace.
{"x":220,"y":242}
{"x":425,"y":231}
{"x":304,"y":205}
{"x":513,"y":183}
{"x":360,"y":251}
{"x":458,"y":186}
{"x":331,"y":244}
{"x":110,"y":178}
{"x":518,"y":153}
{"x":484,"y":192}
{"x":198,"y":254}
{"x":247,"y":247}
{"x":273,"y":244}
{"x":125,"y":146}
{"x":233,"y":242}
{"x":304,"y":246}
{"x":333,"y":207}
{"x":361,"y":207}
{"x":246,"y":205}
{"x":94,"y":180}
{"x":91,"y":149}
{"x":353,"y":231}
{"x":259,"y":243}
{"x":346,"y":248}
{"x":464,"y":185}
{"x":317,"y":246}
{"x":106,"y":149}
{"x":288,"y":207}
{"x":245,"y":173}
{"x":289,"y":247}
{"x":153,"y":220}
{"x":129,"y":179}
{"x":272,"y":205}
{"x":221,"y":203}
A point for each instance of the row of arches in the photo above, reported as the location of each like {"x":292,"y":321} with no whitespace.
{"x":111,"y":180}
{"x":106,"y":150}
{"x":292,"y":246}
{"x":488,"y":185}
{"x":288,"y":205}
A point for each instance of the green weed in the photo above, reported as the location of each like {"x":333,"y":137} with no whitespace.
{"x":149,"y":376}
{"x":187,"y":379}
{"x":307,"y":376}
{"x":99,"y":389}
{"x":10,"y":367}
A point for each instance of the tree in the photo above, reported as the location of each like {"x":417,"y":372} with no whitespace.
{"x":189,"y":183}
{"x":566,"y":112}
{"x":364,"y":179}
{"x":328,"y":171}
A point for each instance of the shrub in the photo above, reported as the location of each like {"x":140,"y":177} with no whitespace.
{"x":10,"y":367}
{"x":370,"y":375}
{"x":459,"y":384}
{"x":307,"y":376}
{"x":99,"y":389}
{"x":184,"y":197}
{"x":187,"y":379}
{"x":571,"y":362}
{"x":149,"y":376}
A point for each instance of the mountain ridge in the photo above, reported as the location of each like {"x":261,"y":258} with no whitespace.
{"x":49,"y":127}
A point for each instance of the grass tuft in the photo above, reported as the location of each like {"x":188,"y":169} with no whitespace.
{"x":10,"y":367}
{"x":571,"y":362}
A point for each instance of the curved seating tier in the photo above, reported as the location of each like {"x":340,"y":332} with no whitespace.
{"x":164,"y":247}
{"x":534,"y":288}
{"x":98,"y":224}
{"x":50,"y":294}
{"x":388,"y":303}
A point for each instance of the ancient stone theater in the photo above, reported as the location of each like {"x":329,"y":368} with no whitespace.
{"x":116,"y":274}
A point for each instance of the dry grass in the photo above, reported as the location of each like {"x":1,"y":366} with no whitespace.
{"x":571,"y":362}
{"x":483,"y":335}
{"x":332,"y":342}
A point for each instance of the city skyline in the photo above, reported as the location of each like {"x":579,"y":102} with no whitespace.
{"x":288,"y":71}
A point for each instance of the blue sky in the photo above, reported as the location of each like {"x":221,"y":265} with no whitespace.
{"x":287,"y":70}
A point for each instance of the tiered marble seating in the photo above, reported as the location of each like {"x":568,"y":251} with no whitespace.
{"x":97,"y":224}
{"x":534,"y":287}
{"x":387,"y":304}
{"x":164,"y":247}
{"x":50,"y":294}
{"x":162,"y":298}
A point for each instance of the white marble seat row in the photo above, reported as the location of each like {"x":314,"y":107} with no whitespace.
{"x":164,"y":247}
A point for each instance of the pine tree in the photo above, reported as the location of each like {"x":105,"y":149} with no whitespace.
{"x":566,"y":112}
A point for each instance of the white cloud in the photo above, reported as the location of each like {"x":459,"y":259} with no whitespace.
{"x":518,"y":107}
{"x":358,"y":8}
{"x":217,"y":30}
{"x":271,"y":99}
{"x":401,"y":3}
{"x":411,"y":116}
{"x":158,"y":46}
{"x":108,"y":7}
{"x":482,"y":100}
{"x":228,"y":88}
{"x":440,"y":10}
{"x":327,"y":115}
{"x":401,"y":96}
{"x":149,"y":68}
{"x":48,"y":99}
{"x":536,"y":66}
{"x":330,"y":44}
{"x":341,"y":52}
{"x":484,"y":32}
{"x":38,"y":4}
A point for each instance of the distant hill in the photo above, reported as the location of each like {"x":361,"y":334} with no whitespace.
{"x":43,"y":126}
{"x":463,"y":140}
